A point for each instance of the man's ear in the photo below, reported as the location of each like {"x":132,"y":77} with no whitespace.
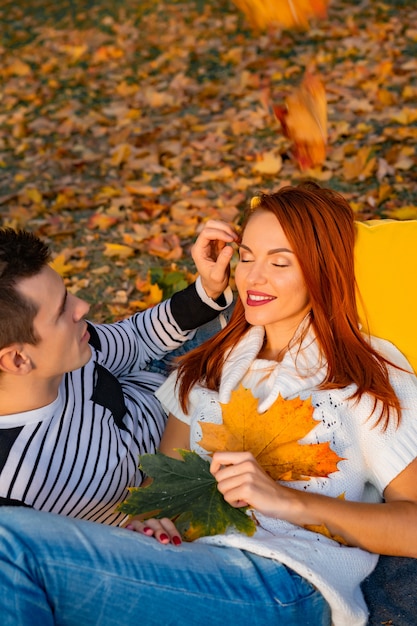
{"x":15,"y":360}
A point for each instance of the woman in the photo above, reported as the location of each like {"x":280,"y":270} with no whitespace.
{"x":294,"y":333}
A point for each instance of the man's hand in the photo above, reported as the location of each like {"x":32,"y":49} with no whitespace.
{"x":211,"y":254}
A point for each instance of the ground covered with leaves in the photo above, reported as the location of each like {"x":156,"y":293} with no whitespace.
{"x":123,"y":126}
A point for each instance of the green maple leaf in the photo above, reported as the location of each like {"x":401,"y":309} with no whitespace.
{"x":186,"y":492}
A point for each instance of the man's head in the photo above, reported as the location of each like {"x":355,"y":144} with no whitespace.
{"x":22,"y":255}
{"x":42,"y":325}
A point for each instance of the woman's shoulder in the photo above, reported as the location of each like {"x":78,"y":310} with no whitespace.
{"x":390,"y":352}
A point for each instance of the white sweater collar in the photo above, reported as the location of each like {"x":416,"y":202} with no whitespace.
{"x":302,"y":368}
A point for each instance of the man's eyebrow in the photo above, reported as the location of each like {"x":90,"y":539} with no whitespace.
{"x":273,"y":251}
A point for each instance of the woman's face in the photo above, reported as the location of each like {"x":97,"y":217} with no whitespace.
{"x":269,"y":279}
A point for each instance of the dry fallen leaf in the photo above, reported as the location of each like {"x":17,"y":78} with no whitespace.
{"x":118,"y":250}
{"x":323,"y":530}
{"x":362,"y":165}
{"x":268,"y":163}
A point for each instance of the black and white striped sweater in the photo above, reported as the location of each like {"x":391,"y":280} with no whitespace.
{"x":78,"y":455}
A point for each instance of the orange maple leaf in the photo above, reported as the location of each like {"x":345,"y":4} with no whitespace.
{"x":304,"y":121}
{"x":272,"y":437}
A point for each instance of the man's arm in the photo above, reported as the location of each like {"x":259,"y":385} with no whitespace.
{"x":166,"y":326}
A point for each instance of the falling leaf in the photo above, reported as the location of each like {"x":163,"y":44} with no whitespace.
{"x":304,"y":121}
{"x":186,"y":492}
{"x":283,"y":13}
{"x":272,"y":437}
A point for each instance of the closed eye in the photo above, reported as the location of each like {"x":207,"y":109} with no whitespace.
{"x":62,"y":308}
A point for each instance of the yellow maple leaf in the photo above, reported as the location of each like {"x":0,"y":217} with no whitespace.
{"x":272,"y":437}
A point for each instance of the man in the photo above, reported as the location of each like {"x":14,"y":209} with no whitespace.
{"x":77,"y":407}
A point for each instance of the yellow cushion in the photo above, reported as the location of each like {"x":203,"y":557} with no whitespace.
{"x":386,"y":274}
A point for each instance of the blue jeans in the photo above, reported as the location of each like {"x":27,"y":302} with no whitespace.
{"x":56,"y":570}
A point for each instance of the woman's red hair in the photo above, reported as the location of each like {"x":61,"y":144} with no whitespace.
{"x":319,"y":224}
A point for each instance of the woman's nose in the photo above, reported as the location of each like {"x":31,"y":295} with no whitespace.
{"x":256,"y":275}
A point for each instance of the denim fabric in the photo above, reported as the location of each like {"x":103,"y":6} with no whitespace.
{"x":55,"y":570}
{"x":391,"y":592}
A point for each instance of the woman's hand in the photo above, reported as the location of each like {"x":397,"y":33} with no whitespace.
{"x":211,"y":254}
{"x":242,"y":482}
{"x":163,"y":529}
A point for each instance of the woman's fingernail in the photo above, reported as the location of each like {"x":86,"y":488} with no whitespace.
{"x":163,"y":537}
{"x":147,"y":530}
{"x":129,"y":527}
{"x":176,"y":541}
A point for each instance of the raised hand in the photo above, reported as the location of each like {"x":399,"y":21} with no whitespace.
{"x":212,"y":253}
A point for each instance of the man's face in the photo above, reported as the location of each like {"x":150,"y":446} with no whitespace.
{"x":63,"y":337}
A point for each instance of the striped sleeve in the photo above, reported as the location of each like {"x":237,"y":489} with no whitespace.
{"x":132,"y":343}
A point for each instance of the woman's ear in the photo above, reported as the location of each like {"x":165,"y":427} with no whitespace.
{"x":15,"y":360}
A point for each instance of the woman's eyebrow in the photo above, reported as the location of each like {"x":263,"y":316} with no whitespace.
{"x":273,"y":251}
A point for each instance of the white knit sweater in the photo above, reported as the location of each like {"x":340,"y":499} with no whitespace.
{"x":372,"y":458}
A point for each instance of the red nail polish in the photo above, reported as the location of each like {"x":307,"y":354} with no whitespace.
{"x":176,"y":541}
{"x":147,"y":529}
{"x":163,"y":537}
{"x":129,"y":527}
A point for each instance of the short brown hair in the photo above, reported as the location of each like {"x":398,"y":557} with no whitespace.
{"x":22,"y":255}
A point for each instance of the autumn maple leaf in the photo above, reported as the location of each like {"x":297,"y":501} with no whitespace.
{"x":304,"y":121}
{"x":186,"y":492}
{"x":272,"y":437}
